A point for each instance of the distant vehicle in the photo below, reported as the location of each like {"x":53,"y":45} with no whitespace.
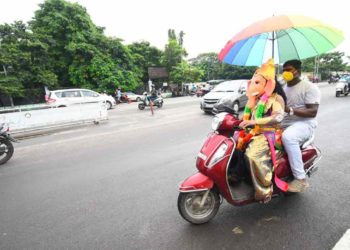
{"x":333,"y":79}
{"x":234,"y":89}
{"x":166,"y":94}
{"x":207,"y":87}
{"x":204,"y":90}
{"x":213,"y":83}
{"x":67,"y":97}
{"x":6,"y":147}
{"x":342,"y":87}
{"x":147,"y":100}
{"x":133,"y":97}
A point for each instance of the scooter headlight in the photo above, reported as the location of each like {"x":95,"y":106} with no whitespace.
{"x":217,"y":120}
{"x":219,"y":154}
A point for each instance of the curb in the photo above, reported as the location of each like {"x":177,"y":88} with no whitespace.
{"x":344,"y":242}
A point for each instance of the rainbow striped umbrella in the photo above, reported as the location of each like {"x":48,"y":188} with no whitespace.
{"x":282,"y":38}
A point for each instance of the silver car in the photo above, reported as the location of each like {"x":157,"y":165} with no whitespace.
{"x":235,"y":90}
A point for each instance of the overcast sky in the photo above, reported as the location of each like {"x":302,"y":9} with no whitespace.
{"x":208,"y":24}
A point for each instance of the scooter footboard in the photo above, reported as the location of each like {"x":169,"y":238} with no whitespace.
{"x":196,"y":182}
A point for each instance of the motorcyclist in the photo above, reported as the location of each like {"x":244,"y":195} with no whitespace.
{"x":153,"y":94}
{"x":348,"y":82}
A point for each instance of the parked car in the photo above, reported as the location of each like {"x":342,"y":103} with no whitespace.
{"x":166,"y":94}
{"x":234,"y":89}
{"x":133,"y":97}
{"x":67,"y":97}
{"x":213,"y":83}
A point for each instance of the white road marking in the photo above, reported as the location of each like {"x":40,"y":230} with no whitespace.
{"x":344,"y":242}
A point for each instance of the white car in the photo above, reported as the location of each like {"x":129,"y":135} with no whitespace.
{"x":133,"y":97}
{"x":234,"y":89}
{"x":66,"y":97}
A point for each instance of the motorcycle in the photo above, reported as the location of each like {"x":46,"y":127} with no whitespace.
{"x":333,"y":79}
{"x":223,"y":175}
{"x":147,"y":100}
{"x":123,"y":98}
{"x":6,"y":147}
{"x":202,"y":92}
{"x":342,"y":88}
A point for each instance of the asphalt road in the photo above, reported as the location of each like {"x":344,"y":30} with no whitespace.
{"x":114,"y":186}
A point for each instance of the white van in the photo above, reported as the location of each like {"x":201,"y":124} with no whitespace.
{"x":235,"y":89}
{"x":66,"y":97}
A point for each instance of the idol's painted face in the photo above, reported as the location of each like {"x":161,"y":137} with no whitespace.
{"x":256,"y":86}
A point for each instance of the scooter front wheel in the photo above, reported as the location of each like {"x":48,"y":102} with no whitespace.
{"x":195,"y":210}
{"x":6,"y":150}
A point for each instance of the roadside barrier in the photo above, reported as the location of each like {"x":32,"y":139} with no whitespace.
{"x":35,"y":118}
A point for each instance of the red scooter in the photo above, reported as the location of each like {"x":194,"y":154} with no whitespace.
{"x":222,"y":173}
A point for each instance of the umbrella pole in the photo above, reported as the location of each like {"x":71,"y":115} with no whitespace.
{"x":273,"y":44}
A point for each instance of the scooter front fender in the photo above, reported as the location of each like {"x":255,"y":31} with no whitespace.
{"x":196,"y":182}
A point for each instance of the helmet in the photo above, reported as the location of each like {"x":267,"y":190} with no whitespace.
{"x":144,"y":93}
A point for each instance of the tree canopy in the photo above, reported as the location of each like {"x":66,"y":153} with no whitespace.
{"x":80,"y":54}
{"x":61,"y":47}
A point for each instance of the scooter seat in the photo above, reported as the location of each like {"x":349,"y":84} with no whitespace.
{"x":308,"y":142}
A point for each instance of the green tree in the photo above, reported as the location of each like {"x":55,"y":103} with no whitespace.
{"x":208,"y":63}
{"x":184,"y":73}
{"x":23,"y":59}
{"x":174,"y":52}
{"x":214,"y":69}
{"x":236,"y":72}
{"x":327,"y":63}
{"x":80,"y":53}
{"x":145,"y":56}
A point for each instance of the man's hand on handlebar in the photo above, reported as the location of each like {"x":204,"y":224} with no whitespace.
{"x":248,"y":123}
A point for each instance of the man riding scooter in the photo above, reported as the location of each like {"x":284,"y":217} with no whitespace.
{"x":264,"y":171}
{"x":154,"y":94}
{"x":303,"y":99}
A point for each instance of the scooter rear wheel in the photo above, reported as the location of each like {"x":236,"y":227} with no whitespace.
{"x":190,"y":209}
{"x":141,"y":106}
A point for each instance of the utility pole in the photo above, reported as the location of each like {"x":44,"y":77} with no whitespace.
{"x":316,"y":68}
{"x":209,"y":63}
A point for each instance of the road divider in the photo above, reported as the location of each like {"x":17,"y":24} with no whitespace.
{"x":35,"y":119}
